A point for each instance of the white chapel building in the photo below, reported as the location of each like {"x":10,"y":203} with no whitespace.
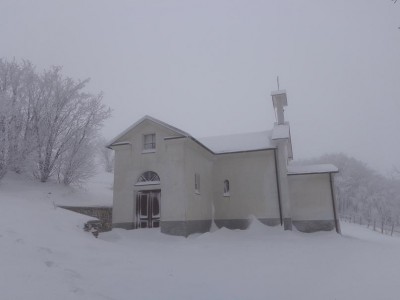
{"x":166,"y":178}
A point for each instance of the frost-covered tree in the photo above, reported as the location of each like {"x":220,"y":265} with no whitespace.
{"x":78,"y":162}
{"x":64,"y":119}
{"x":106,"y":156}
{"x":16,"y":82}
{"x":3,"y":137}
{"x":47,"y":122}
{"x":10,"y":117}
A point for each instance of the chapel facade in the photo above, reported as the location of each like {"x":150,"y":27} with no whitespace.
{"x":166,"y":178}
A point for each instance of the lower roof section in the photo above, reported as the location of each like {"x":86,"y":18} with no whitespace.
{"x":311,"y":169}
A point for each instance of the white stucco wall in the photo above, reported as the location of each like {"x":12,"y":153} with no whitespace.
{"x":173,"y":197}
{"x":131,"y":161}
{"x":311,"y":197}
{"x":198,"y":160}
{"x":122,"y":191}
{"x":252,"y":177}
{"x":253,"y":186}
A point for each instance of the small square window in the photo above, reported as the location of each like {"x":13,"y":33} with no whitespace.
{"x":149,"y":141}
{"x":197,"y":183}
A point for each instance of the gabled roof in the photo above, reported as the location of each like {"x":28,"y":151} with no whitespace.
{"x":176,"y":130}
{"x":243,"y":142}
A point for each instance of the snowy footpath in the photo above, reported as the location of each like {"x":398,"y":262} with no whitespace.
{"x":45,"y":254}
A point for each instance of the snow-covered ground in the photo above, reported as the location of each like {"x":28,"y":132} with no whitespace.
{"x":45,"y":254}
{"x":96,"y":192}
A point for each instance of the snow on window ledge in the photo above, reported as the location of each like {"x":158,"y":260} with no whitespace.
{"x":148,"y":151}
{"x":147,"y":183}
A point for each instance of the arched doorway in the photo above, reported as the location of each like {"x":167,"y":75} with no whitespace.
{"x":148,"y":200}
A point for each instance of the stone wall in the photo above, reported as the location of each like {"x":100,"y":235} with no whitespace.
{"x":103,"y":213}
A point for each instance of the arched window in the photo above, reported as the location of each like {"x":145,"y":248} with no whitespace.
{"x":147,"y":178}
{"x":226,"y":188}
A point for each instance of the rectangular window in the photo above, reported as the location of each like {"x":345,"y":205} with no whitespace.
{"x":149,"y":141}
{"x":197,"y":183}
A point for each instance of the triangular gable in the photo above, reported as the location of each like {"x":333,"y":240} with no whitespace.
{"x":149,"y":118}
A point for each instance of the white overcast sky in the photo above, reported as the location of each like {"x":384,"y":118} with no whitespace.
{"x":208,"y":67}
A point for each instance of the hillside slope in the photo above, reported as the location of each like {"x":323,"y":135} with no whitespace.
{"x":45,"y":254}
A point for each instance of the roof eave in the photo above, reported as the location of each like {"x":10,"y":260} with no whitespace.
{"x":311,"y":173}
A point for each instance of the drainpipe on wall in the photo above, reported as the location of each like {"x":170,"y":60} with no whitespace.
{"x":278,"y":188}
{"x":284,"y":185}
{"x":337,"y":224}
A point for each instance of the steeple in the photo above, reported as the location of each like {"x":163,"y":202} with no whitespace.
{"x":279,"y":100}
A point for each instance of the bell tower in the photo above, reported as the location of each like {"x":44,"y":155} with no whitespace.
{"x":279,"y":100}
{"x":281,"y":135}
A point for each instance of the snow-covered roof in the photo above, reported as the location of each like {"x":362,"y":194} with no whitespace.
{"x":239,"y":142}
{"x":281,"y":131}
{"x":218,"y":144}
{"x":177,"y":130}
{"x":311,"y":169}
{"x":278,"y":92}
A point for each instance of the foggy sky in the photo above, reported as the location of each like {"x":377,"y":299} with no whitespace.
{"x":208,"y":67}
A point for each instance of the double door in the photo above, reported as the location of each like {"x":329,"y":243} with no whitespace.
{"x":148,"y":209}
